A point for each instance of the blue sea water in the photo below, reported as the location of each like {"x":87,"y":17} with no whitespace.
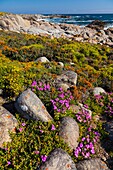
{"x":83,"y":19}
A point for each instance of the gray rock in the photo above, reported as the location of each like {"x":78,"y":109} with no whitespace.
{"x":109,"y":31}
{"x":61,"y":64}
{"x":31,"y":107}
{"x":110,"y":44}
{"x":79,"y":38}
{"x":67,"y":77}
{"x":14,"y":22}
{"x":85,"y":35}
{"x":98,"y":90}
{"x":43,"y":59}
{"x":109,"y":129}
{"x":7,"y":123}
{"x":69,"y":131}
{"x":20,"y":21}
{"x":97,"y":24}
{"x":2,"y":24}
{"x":1,"y":91}
{"x":92,"y":164}
{"x":58,"y":160}
{"x":35,"y":30}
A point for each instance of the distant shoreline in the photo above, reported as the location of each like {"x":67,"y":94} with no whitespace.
{"x":37,"y":24}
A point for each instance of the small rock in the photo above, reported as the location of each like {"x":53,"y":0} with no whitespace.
{"x":31,"y":107}
{"x":67,"y":77}
{"x":58,"y":160}
{"x":43,"y":59}
{"x":98,"y":90}
{"x":61,"y":64}
{"x":69,"y":131}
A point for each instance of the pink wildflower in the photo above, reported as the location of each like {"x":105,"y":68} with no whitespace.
{"x":43,"y":157}
{"x":23,"y":124}
{"x":8,"y":162}
{"x":36,"y":152}
{"x":53,"y":127}
{"x":20,"y":129}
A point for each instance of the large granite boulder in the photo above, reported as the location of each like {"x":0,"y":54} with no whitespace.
{"x":58,"y":160}
{"x":20,"y":21}
{"x":69,"y":131}
{"x":3,"y":24}
{"x":7,"y":123}
{"x":31,"y":107}
{"x":13,"y":22}
{"x":92,"y":164}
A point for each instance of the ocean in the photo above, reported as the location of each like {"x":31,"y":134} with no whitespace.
{"x":83,"y":19}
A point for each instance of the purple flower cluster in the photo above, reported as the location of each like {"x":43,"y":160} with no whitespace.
{"x":21,"y":129}
{"x":40,"y":86}
{"x":99,"y":99}
{"x":86,"y":146}
{"x":43,"y":157}
{"x":109,"y":110}
{"x":62,"y":102}
{"x":84,"y":115}
{"x":109,"y":107}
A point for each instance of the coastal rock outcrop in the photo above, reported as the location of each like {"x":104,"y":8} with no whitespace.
{"x":38,"y":25}
{"x":97,"y":24}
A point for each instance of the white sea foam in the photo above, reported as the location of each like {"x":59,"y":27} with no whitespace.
{"x":108,"y":26}
{"x":84,"y":19}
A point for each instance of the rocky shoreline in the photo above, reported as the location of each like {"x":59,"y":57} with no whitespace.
{"x":37,"y":25}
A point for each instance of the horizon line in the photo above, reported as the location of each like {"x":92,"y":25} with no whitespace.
{"x":57,"y":13}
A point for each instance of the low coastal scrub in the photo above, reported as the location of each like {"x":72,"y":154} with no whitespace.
{"x":19,"y":69}
{"x":33,"y":141}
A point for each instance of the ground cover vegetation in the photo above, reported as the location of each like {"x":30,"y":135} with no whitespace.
{"x":19,"y":69}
